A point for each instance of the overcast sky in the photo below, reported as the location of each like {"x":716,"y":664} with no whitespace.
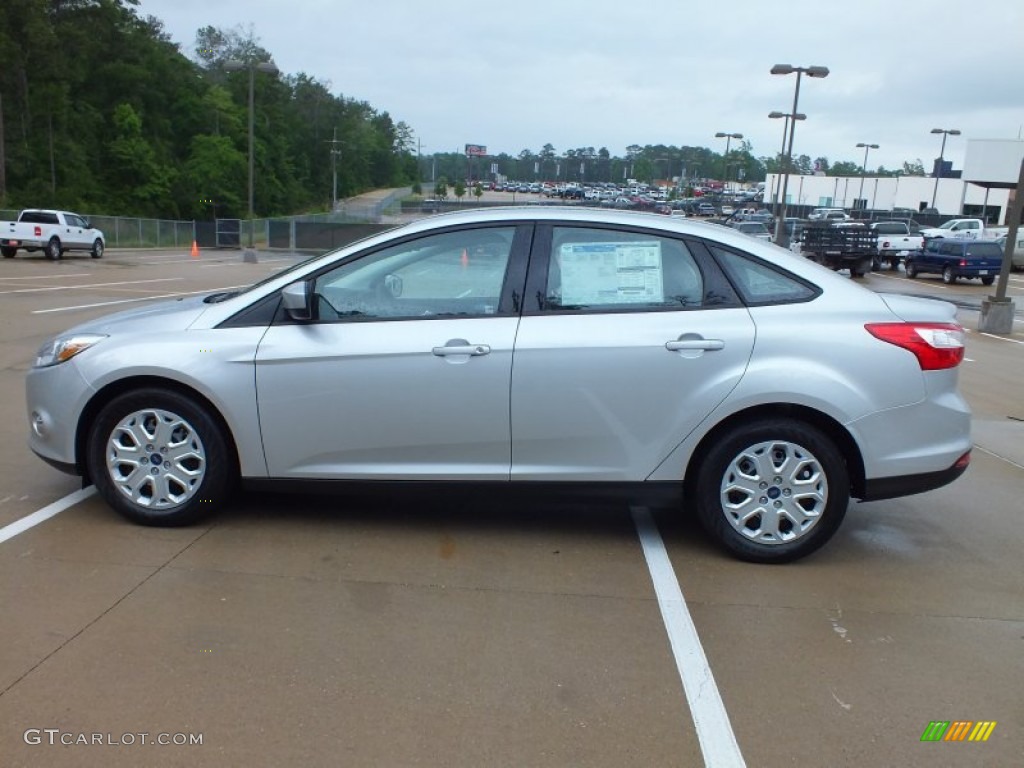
{"x":610,"y":73}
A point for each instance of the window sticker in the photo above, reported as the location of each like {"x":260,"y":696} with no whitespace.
{"x":611,"y":273}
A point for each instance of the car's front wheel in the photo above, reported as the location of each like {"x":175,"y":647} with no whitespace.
{"x":158,"y":458}
{"x":911,"y":270}
{"x":772,"y":491}
{"x":948,"y":277}
{"x":97,"y":249}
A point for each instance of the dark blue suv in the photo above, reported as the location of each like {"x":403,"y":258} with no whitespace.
{"x":955,"y":258}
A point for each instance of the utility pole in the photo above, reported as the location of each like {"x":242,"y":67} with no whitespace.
{"x":3,"y":159}
{"x":335,"y":153}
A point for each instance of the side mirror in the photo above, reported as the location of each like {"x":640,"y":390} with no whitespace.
{"x":297,"y":299}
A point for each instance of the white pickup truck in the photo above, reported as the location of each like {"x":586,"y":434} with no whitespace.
{"x":894,"y":243}
{"x":53,"y":232}
{"x":962,"y":229}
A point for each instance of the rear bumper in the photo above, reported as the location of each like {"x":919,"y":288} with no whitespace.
{"x":907,"y":485}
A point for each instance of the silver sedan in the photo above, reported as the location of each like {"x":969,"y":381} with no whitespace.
{"x":595,"y":349}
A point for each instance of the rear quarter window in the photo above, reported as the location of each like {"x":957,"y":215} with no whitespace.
{"x":760,"y":283}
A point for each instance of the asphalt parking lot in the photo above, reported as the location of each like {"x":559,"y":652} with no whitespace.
{"x":303,"y":630}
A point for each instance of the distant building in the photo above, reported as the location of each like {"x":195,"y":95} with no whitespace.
{"x":982,"y":188}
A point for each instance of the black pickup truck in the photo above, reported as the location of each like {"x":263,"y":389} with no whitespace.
{"x":842,"y":245}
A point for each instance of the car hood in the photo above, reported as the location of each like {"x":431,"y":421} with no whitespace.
{"x":918,"y":309}
{"x":170,"y":315}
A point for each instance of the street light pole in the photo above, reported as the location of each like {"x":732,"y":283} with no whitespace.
{"x":271,"y":69}
{"x":728,"y":137}
{"x":864,"y":169}
{"x":787,"y":69}
{"x":782,"y":151}
{"x":942,"y":154}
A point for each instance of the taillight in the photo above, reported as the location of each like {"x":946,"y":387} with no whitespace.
{"x":37,"y":231}
{"x":963,"y":262}
{"x":935,"y":345}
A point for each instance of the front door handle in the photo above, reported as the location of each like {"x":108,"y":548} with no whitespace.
{"x":461,"y":347}
{"x":698,"y":344}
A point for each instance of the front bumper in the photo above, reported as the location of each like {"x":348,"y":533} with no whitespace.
{"x":55,"y":398}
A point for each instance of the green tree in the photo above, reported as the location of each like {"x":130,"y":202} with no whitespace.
{"x":844,"y":168}
{"x":914,"y":168}
{"x":460,"y":189}
{"x":138,"y":182}
{"x":214,"y":179}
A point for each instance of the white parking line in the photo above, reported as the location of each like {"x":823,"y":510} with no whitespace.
{"x":140,"y":298}
{"x":1001,"y":338}
{"x":41,"y":515}
{"x":92,"y":285}
{"x":714,"y":731}
{"x":1003,"y":458}
{"x":47,"y":277}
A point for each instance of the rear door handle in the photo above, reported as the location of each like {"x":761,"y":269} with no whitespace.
{"x":703,"y":344}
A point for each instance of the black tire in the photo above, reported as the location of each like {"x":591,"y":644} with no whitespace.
{"x":894,"y":264}
{"x":854,"y":272}
{"x":732,"y":460}
{"x":53,"y":250}
{"x":987,"y":280}
{"x":8,"y":252}
{"x":202,"y":476}
{"x":947,"y":276}
{"x":911,"y":270}
{"x":876,"y":265}
{"x":97,"y":249}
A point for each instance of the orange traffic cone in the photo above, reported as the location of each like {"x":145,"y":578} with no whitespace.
{"x":195,"y":250}
{"x":465,"y":258}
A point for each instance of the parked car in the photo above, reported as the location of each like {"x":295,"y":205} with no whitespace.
{"x":828,"y":214}
{"x":1018,"y":252}
{"x":753,"y":229}
{"x":53,"y":232}
{"x":706,"y":209}
{"x":572,"y":347}
{"x":956,"y":258}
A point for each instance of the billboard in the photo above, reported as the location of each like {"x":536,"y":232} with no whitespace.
{"x":993,"y":162}
{"x":476,"y":150}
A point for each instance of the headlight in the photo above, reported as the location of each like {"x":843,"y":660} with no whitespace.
{"x":63,"y":348}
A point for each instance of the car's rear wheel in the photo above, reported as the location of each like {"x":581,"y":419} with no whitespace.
{"x":53,"y":249}
{"x":8,"y":252}
{"x":772,"y":491}
{"x":947,"y":276}
{"x":158,"y":458}
{"x":987,"y":280}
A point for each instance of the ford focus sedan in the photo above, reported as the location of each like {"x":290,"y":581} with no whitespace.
{"x":586,"y":348}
